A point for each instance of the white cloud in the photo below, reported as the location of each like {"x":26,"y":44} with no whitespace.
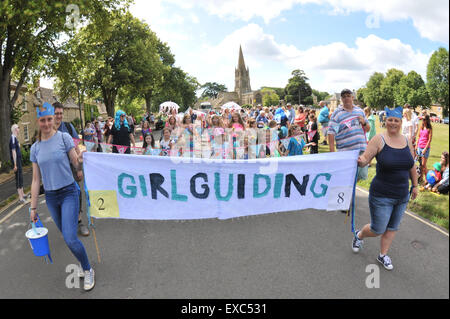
{"x":430,"y":18}
{"x":330,"y":67}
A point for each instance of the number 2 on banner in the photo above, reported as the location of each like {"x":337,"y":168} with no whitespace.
{"x":104,"y":204}
{"x":339,"y":198}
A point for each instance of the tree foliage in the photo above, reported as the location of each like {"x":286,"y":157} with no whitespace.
{"x":31,"y":36}
{"x":438,"y":78}
{"x":212,"y":90}
{"x":297,"y":87}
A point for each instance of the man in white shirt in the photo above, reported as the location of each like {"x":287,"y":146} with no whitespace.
{"x":415,"y":122}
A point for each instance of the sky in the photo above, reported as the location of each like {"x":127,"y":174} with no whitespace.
{"x":338,"y":43}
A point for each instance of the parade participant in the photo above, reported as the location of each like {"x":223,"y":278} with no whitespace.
{"x":424,"y":144}
{"x":347,"y":127}
{"x":108,"y":127}
{"x":172,"y":123}
{"x":313,"y":134}
{"x":252,"y":123}
{"x":166,"y":143}
{"x":216,"y":135}
{"x":131,"y":123}
{"x":290,"y":113}
{"x":89,"y":132}
{"x":145,"y":129}
{"x":295,"y":147}
{"x":407,"y":124}
{"x":300,"y":118}
{"x":371,"y":118}
{"x":261,"y":120}
{"x":265,"y":146}
{"x":16,"y":159}
{"x":442,"y":186}
{"x":389,"y":192}
{"x":49,"y":156}
{"x":101,"y":123}
{"x":236,"y":122}
{"x":415,"y":122}
{"x":66,"y":127}
{"x":121,"y":133}
{"x":149,"y":144}
{"x":98,"y":136}
{"x":324,"y":119}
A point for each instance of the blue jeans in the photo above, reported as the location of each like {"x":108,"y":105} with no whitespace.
{"x":386,"y":213}
{"x":63,"y":205}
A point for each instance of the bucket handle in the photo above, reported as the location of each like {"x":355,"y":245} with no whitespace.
{"x":33,"y":224}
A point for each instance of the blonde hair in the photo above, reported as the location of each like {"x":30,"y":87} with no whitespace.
{"x":367,"y":111}
{"x":13,"y":128}
{"x":408,"y":114}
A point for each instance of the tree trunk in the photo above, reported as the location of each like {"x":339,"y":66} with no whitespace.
{"x":109,"y":96}
{"x":5,"y":117}
{"x":148,"y":102}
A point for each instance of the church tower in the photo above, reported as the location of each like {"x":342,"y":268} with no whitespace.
{"x":242,"y":76}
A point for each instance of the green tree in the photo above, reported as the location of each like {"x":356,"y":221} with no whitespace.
{"x":360,"y":95}
{"x":390,"y":85}
{"x":212,"y":90}
{"x":297,"y":87}
{"x":279,"y":91}
{"x":178,"y":87}
{"x":321,"y":96}
{"x":411,"y":89}
{"x":269,"y":97}
{"x":438,"y":78}
{"x":30,"y":37}
{"x":108,"y":56}
{"x":372,"y":94}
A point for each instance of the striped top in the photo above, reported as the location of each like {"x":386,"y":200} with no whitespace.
{"x":349,"y":133}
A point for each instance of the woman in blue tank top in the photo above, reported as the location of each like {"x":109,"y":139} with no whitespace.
{"x":389,"y":191}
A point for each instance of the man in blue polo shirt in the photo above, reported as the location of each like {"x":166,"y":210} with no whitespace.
{"x":324,"y":120}
{"x":66,"y":127}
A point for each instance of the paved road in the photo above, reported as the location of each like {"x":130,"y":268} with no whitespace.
{"x":303,"y":254}
{"x":8,"y":188}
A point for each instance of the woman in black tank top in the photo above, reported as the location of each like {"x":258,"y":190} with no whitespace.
{"x":389,"y":191}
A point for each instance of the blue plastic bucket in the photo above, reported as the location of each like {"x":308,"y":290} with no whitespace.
{"x":38,"y":238}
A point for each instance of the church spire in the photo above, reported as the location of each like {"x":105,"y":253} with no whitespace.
{"x":241,"y":63}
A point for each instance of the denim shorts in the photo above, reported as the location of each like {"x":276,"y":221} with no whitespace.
{"x":420,"y":150}
{"x":386,"y":213}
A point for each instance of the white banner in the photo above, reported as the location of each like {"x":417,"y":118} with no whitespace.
{"x":169,"y":188}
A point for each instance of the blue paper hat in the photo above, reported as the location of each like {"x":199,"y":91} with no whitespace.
{"x":48,"y":110}
{"x":397,"y":112}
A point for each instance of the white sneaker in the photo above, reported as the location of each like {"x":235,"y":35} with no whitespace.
{"x":386,"y":262}
{"x":89,"y":279}
{"x":357,"y":243}
{"x":80,"y":271}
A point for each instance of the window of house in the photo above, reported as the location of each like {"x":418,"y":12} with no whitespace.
{"x":26,"y":135}
{"x":24,"y":103}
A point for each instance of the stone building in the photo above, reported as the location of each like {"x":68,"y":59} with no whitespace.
{"x":27,"y":103}
{"x":242,"y":93}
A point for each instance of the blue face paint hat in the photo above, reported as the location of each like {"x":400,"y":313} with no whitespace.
{"x":397,"y":112}
{"x":48,"y":110}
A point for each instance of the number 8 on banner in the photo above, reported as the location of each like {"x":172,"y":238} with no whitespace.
{"x":104,"y":204}
{"x":339,"y":198}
